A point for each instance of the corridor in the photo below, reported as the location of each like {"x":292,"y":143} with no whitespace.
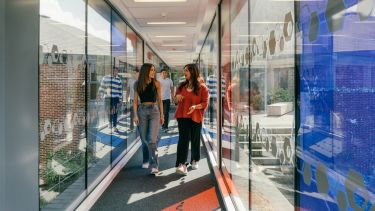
{"x":135,"y":188}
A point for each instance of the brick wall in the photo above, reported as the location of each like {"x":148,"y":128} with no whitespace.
{"x":62,"y":110}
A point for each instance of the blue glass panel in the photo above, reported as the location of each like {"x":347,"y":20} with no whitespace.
{"x":336,"y":132}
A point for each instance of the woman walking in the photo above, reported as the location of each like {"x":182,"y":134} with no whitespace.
{"x":148,"y":114}
{"x":191,"y":98}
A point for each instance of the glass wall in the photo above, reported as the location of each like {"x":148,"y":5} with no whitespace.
{"x":235,"y":103}
{"x":272,"y":104}
{"x":257,"y":101}
{"x":209,"y":66}
{"x":98,"y":66}
{"x":336,"y":151}
{"x":78,"y":141}
{"x":303,"y":66}
{"x":152,"y":58}
{"x":149,"y":55}
{"x":62,"y":101}
{"x":118,"y":138}
{"x":134,"y":62}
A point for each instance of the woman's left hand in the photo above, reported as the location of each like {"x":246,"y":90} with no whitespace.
{"x":191,"y":109}
{"x":162,"y":120}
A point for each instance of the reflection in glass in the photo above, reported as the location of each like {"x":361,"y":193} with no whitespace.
{"x":62,"y":102}
{"x":149,"y":55}
{"x":209,"y":70}
{"x":98,"y":66}
{"x":133,"y":65}
{"x":335,"y":137}
{"x":272,"y":105}
{"x":235,"y":103}
{"x":118,"y":127}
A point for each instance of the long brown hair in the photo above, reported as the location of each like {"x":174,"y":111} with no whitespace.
{"x":144,"y":77}
{"x":194,"y":75}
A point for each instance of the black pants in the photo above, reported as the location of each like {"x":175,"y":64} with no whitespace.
{"x":166,"y":107}
{"x":211,"y":110}
{"x":112,"y":109}
{"x":188,"y":131}
{"x":131,"y":115}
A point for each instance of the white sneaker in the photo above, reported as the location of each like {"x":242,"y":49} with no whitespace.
{"x":194,"y":165}
{"x":181,"y":169}
{"x":154,"y":170}
{"x":145,"y":165}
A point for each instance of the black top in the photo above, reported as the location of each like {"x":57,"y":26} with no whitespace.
{"x":149,"y":94}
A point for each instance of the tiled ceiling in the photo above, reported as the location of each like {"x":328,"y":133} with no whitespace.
{"x":177,"y":45}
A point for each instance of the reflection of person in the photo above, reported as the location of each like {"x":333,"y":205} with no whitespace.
{"x":148,"y":114}
{"x":192,"y":98}
{"x":233,"y":102}
{"x":111,"y":91}
{"x":233,"y":97}
{"x":130,"y":92}
{"x":212,"y":87}
{"x":167,"y":91}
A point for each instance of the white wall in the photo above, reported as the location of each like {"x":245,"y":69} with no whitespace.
{"x":21,"y":104}
{"x":2,"y":103}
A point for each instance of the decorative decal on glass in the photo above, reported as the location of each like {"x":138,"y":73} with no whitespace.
{"x":334,"y":14}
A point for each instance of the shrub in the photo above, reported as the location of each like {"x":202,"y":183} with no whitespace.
{"x":280,"y":95}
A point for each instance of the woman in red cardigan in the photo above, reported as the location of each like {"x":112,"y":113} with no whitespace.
{"x":191,"y":99}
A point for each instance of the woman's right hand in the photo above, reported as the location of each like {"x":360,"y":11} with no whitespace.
{"x":136,"y":120}
{"x":179,"y":98}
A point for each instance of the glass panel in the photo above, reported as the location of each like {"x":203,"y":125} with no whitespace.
{"x":209,"y":70}
{"x":272,"y":104}
{"x":62,"y":102}
{"x":149,"y":55}
{"x":335,"y":145}
{"x":99,"y":65}
{"x":235,"y":103}
{"x":133,"y":65}
{"x":152,"y":58}
{"x":119,"y":135}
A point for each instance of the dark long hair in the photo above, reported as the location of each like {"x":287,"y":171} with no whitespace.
{"x":194,"y":75}
{"x":144,"y":77}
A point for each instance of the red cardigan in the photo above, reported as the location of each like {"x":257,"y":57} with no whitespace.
{"x":191,"y":99}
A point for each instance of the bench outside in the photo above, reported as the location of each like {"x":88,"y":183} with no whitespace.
{"x":278,"y":109}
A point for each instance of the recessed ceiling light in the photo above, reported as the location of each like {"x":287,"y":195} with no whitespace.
{"x":166,"y":23}
{"x":252,"y":35}
{"x":175,"y":51}
{"x":173,"y":45}
{"x":170,"y":36}
{"x":267,"y":22}
{"x":159,"y":1}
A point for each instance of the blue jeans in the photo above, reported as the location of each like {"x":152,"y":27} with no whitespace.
{"x":148,"y":127}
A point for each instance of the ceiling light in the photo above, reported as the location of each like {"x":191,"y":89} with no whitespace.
{"x":160,"y":1}
{"x":166,"y":23}
{"x":175,"y":51}
{"x":267,"y":22}
{"x":173,"y":45}
{"x":252,"y":35}
{"x":170,"y":36}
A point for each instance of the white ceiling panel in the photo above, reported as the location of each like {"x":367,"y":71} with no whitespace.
{"x":190,"y":22}
{"x":133,"y":4}
{"x":175,"y":51}
{"x":169,"y":13}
